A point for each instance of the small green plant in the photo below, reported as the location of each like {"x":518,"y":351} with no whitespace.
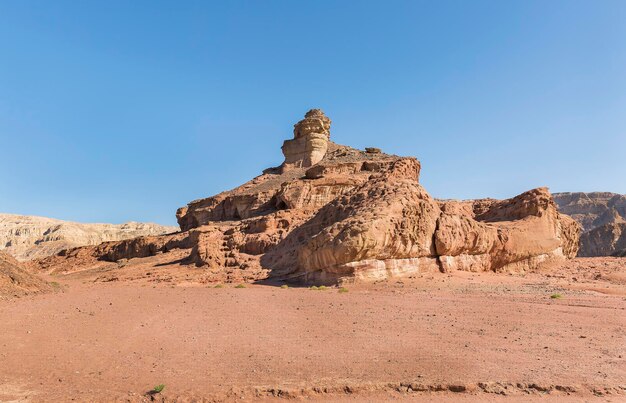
{"x":158,"y":388}
{"x":556,"y":296}
{"x":314,"y":288}
{"x":284,"y":286}
{"x":322,"y":288}
{"x":343,"y":289}
{"x":219,"y":286}
{"x":240,"y":286}
{"x":55,"y":284}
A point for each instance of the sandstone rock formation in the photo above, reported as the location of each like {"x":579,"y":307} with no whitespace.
{"x":603,"y":218}
{"x":310,"y":141}
{"x":15,"y":281}
{"x":332,"y":214}
{"x":29,"y":237}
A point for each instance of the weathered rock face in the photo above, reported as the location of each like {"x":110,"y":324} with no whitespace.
{"x":603,"y":218}
{"x":592,"y":210}
{"x":513,"y":235}
{"x":310,"y":141}
{"x":29,"y":237}
{"x":606,"y":240}
{"x":341,"y":170}
{"x":139,"y":247}
{"x":15,"y":281}
{"x":384,"y":221}
{"x":347,"y":215}
{"x":391,"y":227}
{"x":570,"y":235}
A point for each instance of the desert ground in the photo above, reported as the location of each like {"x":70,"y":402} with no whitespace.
{"x":279,"y":201}
{"x":556,"y":335}
{"x":420,"y":299}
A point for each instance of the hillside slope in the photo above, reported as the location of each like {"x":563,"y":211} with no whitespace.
{"x":603,"y":218}
{"x":16,"y":281}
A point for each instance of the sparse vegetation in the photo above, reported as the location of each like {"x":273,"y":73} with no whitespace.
{"x":343,"y":289}
{"x":314,"y":288}
{"x":55,"y":284}
{"x":240,"y":286}
{"x":322,"y":288}
{"x":556,"y":296}
{"x":284,"y":286}
{"x":158,"y":388}
{"x":219,"y":286}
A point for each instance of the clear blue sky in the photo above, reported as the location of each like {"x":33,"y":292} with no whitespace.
{"x":125,"y":110}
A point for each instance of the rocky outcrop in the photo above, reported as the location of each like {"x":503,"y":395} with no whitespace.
{"x":570,"y":235}
{"x":15,"y":281}
{"x":29,"y":237}
{"x":388,"y":218}
{"x":333,"y":214}
{"x":513,"y":235}
{"x":391,"y":227}
{"x":310,"y":141}
{"x":603,"y":218}
{"x":341,"y":170}
{"x":139,"y":247}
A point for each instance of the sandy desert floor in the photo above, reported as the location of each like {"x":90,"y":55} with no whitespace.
{"x":443,"y":337}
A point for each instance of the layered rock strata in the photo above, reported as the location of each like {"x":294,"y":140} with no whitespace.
{"x":29,"y":237}
{"x":310,"y":141}
{"x":349,"y":215}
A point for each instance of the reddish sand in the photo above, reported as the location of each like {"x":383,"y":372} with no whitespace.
{"x":444,"y":337}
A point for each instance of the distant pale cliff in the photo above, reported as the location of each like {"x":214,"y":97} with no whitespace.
{"x":29,"y":237}
{"x":603,"y":218}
